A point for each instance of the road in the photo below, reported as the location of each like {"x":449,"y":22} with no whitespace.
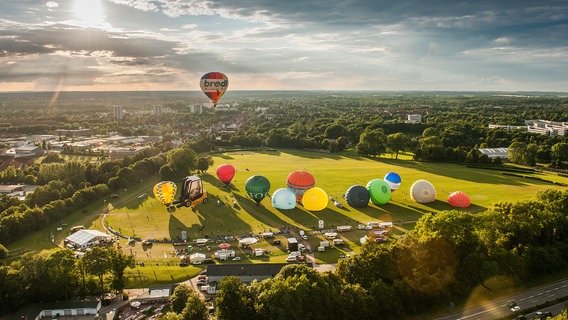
{"x":498,"y":308}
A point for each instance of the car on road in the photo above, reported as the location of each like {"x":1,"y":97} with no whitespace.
{"x":515,"y":309}
{"x":305,"y":237}
{"x":237,"y":259}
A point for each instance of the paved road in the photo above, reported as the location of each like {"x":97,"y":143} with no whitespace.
{"x":498,"y":308}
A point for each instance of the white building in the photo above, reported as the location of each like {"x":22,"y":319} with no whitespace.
{"x":550,"y":128}
{"x":414,"y":118}
{"x":492,"y":153}
{"x":86,"y":238}
{"x":196,"y":108}
{"x":158,"y":111}
{"x":118,"y":112}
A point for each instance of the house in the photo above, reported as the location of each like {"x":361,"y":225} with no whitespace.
{"x":59,"y":309}
{"x":28,"y":151}
{"x":86,"y":238}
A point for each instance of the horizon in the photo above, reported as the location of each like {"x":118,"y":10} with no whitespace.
{"x":167,"y":45}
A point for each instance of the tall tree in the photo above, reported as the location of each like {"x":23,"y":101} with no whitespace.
{"x":98,"y":263}
{"x":233,"y":300}
{"x":372,"y":143}
{"x":194,"y":308}
{"x":397,"y":142}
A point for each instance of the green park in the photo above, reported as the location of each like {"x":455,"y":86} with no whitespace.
{"x":230,"y":213}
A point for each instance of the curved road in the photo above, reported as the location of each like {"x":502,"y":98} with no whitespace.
{"x":498,"y":308}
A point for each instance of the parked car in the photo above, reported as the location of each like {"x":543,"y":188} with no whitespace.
{"x":202,"y":277}
{"x":200,"y":283}
{"x":208,"y":260}
{"x":237,"y":259}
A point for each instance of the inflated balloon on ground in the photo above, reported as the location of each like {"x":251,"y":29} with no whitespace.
{"x":379,"y":190}
{"x":422,"y":191}
{"x":284,"y":199}
{"x":393,"y":179}
{"x":257,"y":187}
{"x":165,"y":192}
{"x":315,"y":199}
{"x":225,"y":173}
{"x":357,"y":196}
{"x":299,"y":181}
{"x":459,"y":199}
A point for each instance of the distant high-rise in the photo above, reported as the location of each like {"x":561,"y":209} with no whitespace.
{"x":158,"y":110}
{"x":118,"y":112}
{"x":196,"y":108}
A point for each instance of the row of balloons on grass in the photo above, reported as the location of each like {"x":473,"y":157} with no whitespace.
{"x":301,"y":188}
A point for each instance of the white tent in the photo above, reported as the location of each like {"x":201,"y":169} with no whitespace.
{"x":86,"y":238}
{"x":197,"y":257}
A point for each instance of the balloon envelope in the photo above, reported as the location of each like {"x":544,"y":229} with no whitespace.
{"x":422,"y":191}
{"x":225,"y":173}
{"x":459,"y":199}
{"x":357,"y":196}
{"x":257,"y":187}
{"x":380,"y":191}
{"x":315,"y":199}
{"x":284,"y":199}
{"x":393,"y":179}
{"x":165,"y":192}
{"x":299,"y":181}
{"x":214,"y":85}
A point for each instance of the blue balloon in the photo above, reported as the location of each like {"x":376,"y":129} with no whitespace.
{"x":284,"y":199}
{"x":393,"y":179}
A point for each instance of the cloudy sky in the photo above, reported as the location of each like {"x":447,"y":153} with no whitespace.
{"x":510,"y":45}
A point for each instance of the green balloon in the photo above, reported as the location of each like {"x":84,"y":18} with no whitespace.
{"x":257,"y":187}
{"x":380,"y":191}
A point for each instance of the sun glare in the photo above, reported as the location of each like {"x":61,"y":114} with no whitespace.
{"x":89,"y":12}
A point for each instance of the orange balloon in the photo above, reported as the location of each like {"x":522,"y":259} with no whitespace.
{"x":459,"y":199}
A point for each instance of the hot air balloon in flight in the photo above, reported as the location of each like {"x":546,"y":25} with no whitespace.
{"x":257,"y":187}
{"x":459,"y":199}
{"x":299,"y":181}
{"x":422,"y":191}
{"x":315,"y":199}
{"x":165,"y":192}
{"x":380,"y":191}
{"x":357,"y":196}
{"x":393,"y":179}
{"x":225,"y":173}
{"x":214,"y":85}
{"x":284,"y":199}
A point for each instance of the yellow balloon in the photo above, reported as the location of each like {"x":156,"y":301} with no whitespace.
{"x":315,"y":199}
{"x":165,"y":192}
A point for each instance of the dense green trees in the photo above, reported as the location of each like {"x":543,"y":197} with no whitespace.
{"x":61,"y":276}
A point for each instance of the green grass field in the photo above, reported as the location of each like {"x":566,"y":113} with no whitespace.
{"x":144,"y":217}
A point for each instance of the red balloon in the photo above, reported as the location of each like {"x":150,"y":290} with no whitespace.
{"x":459,"y":199}
{"x":225,"y":173}
{"x":300,"y":181}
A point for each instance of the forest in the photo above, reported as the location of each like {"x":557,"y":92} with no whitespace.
{"x":521,"y":241}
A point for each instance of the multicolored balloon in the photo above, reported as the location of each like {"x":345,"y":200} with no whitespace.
{"x":357,"y":196}
{"x":165,"y":192}
{"x":225,"y":173}
{"x":284,"y":199}
{"x":393,"y":179}
{"x":214,"y":85}
{"x":422,"y":191}
{"x":315,"y":199}
{"x":257,"y":187}
{"x":459,"y":199}
{"x":380,"y":191}
{"x":299,"y":181}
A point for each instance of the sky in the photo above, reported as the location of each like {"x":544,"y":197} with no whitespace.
{"x":446,"y":45}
